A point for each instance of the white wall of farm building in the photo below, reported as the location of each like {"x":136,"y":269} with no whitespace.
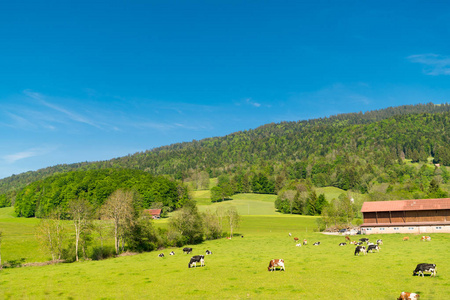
{"x":406,"y":229}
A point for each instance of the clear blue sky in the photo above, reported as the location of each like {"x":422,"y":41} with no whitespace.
{"x":93,"y":80}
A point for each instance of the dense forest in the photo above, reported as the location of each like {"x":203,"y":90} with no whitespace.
{"x":355,"y":151}
{"x":41,"y":197}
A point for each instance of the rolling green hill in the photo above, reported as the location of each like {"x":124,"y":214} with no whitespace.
{"x":349,"y":151}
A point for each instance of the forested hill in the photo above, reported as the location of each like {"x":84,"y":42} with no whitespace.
{"x":325,"y":150}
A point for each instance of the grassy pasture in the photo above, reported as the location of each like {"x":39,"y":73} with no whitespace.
{"x":246,"y":204}
{"x":238,"y":269}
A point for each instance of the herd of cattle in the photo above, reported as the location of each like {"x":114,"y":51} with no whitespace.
{"x":194,"y":259}
{"x":371,"y":247}
{"x":360,"y":248}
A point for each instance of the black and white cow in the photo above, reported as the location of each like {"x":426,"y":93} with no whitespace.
{"x":380,"y":242}
{"x":316,"y":244}
{"x":342,"y":244}
{"x":364,"y":240}
{"x":172,"y":253}
{"x":373,"y":247}
{"x":187,"y":250}
{"x":197,"y":259}
{"x":360,"y":249}
{"x":421,"y":268}
{"x":208,"y":252}
{"x":359,"y":243}
{"x":161,"y":255}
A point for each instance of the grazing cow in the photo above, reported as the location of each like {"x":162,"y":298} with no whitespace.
{"x":187,"y":250}
{"x":380,"y":242}
{"x":373,"y":247}
{"x":364,"y":240}
{"x":296,"y":239}
{"x":161,"y":255}
{"x":172,"y":253}
{"x":298,"y":245}
{"x":426,"y":238}
{"x":208,"y":252}
{"x":274,"y":263}
{"x":370,"y":243}
{"x":305,"y":242}
{"x":405,"y":238}
{"x":359,"y":243}
{"x":197,"y":259}
{"x":316,"y":244}
{"x":408,"y":296}
{"x":421,"y":268}
{"x":342,"y":244}
{"x":347,"y":238}
{"x":360,"y":249}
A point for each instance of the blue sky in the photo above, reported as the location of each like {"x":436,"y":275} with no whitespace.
{"x":94,"y":80}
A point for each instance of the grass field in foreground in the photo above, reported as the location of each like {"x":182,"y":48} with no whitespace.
{"x":238,"y":269}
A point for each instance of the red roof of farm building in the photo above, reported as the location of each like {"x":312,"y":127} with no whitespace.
{"x":153,"y":212}
{"x":404,"y":205}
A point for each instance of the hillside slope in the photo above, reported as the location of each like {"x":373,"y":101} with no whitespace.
{"x":341,"y":147}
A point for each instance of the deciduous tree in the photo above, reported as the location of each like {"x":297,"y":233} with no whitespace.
{"x":119,"y":209}
{"x":51,"y":234}
{"x":81,"y":212}
{"x":233,"y":217}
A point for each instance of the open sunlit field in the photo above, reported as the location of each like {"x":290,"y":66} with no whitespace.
{"x":237,"y":269}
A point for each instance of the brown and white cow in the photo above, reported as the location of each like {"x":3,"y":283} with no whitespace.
{"x":425,"y":238}
{"x":305,"y":242}
{"x":274,"y":263}
{"x":408,"y":296}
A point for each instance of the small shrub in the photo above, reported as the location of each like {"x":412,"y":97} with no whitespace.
{"x":99,"y":253}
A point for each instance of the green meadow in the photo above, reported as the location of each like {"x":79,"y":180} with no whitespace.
{"x":237,"y":269}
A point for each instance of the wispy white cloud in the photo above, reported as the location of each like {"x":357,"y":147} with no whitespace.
{"x":434,"y":64}
{"x":12,"y":158}
{"x":69,"y":114}
{"x":252,"y":103}
{"x":19,"y":122}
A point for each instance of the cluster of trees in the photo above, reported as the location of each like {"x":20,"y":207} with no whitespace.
{"x":122,"y":218}
{"x":339,"y":212}
{"x":300,"y":198}
{"x":41,"y":197}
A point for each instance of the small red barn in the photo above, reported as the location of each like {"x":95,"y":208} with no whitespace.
{"x":154,"y":213}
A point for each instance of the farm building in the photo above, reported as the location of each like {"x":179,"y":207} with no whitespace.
{"x":155,"y":213}
{"x":406,"y":216}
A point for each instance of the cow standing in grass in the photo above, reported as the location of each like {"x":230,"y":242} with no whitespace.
{"x":274,"y":263}
{"x":360,"y":249}
{"x":408,"y":296}
{"x":197,"y":259}
{"x":422,"y":268}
